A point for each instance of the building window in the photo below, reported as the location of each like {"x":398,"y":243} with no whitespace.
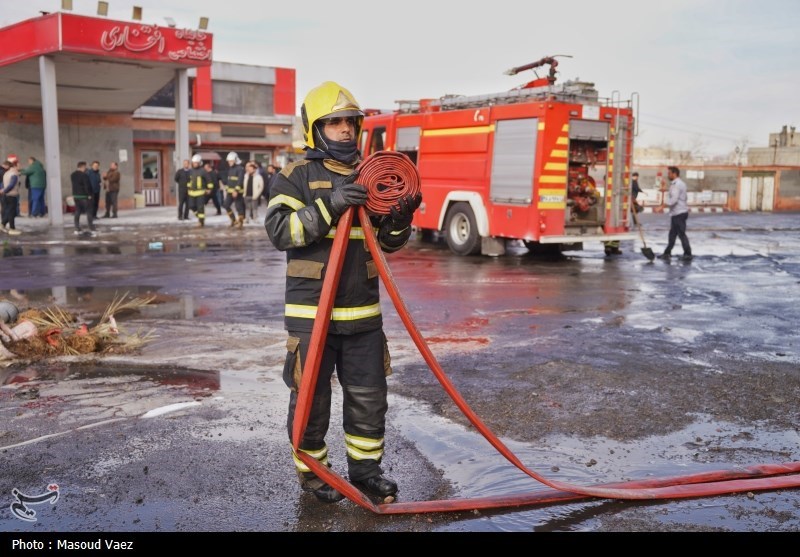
{"x":165,"y":97}
{"x":248,"y":99}
{"x":263,"y":157}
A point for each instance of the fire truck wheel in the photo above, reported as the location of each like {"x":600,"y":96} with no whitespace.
{"x":461,"y":230}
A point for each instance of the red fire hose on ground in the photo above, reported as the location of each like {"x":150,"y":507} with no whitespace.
{"x":388,"y":176}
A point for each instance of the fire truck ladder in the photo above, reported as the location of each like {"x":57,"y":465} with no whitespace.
{"x":570,"y":91}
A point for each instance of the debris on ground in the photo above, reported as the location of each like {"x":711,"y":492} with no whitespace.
{"x":53,"y":331}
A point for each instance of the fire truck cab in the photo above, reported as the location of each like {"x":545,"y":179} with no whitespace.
{"x":545,"y":164}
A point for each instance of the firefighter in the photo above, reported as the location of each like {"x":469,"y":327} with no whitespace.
{"x":306,"y":200}
{"x":234,"y":187}
{"x":199,"y":185}
{"x":611,"y":247}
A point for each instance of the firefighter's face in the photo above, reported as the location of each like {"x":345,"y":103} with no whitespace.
{"x":339,"y":129}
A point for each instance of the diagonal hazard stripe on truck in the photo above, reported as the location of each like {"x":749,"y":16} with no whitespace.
{"x":551,"y":199}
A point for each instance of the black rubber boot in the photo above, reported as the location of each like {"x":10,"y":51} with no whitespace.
{"x":321,"y":490}
{"x":378,"y":485}
{"x":327,"y":494}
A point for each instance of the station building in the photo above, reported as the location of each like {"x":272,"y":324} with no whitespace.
{"x":76,"y":87}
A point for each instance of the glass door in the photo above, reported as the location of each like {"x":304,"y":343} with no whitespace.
{"x":151,"y":177}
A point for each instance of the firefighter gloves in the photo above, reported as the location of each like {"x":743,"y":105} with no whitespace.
{"x":403,"y":214}
{"x":347,"y":195}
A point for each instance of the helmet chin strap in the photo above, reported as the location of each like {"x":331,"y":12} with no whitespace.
{"x":319,"y":137}
{"x":342,"y":151}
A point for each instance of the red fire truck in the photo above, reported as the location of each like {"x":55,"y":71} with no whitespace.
{"x":543,"y":163}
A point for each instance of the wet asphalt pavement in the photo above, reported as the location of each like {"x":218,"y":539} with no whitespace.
{"x":591,"y":369}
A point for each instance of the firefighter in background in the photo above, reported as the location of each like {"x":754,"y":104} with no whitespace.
{"x":306,"y":200}
{"x":213,"y":193}
{"x":234,"y":187}
{"x":611,"y":247}
{"x":199,"y":185}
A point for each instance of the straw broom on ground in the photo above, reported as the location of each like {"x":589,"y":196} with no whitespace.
{"x":58,"y":334}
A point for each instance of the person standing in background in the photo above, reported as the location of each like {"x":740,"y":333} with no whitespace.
{"x":37,"y":181}
{"x":82,"y":194}
{"x":635,"y":191}
{"x":111,"y":184}
{"x":3,"y":167}
{"x":96,"y":180}
{"x":253,"y":188}
{"x":182,"y":179}
{"x":261,"y":170}
{"x":272,"y":171}
{"x":9,"y":192}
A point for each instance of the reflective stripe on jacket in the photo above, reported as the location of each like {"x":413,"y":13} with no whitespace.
{"x":199,"y":183}
{"x":234,"y":181}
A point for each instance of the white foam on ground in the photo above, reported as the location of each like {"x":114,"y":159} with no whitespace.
{"x":169,"y":408}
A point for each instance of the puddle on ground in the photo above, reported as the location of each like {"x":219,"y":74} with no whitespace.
{"x":59,"y":398}
{"x":106,"y":243}
{"x":89,"y":302}
{"x":194,"y":381}
{"x":82,"y":296}
{"x":477,"y":470}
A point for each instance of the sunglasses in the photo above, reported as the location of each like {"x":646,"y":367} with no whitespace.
{"x":349,"y":120}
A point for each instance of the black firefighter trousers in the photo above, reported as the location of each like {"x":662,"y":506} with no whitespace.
{"x":362,"y":363}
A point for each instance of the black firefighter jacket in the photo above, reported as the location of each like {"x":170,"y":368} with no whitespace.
{"x":299,"y":222}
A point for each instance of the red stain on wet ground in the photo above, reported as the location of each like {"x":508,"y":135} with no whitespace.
{"x":478,"y":340}
{"x":43,"y":402}
{"x":475,"y":322}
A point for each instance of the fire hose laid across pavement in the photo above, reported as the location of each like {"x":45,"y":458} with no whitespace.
{"x":388,"y":176}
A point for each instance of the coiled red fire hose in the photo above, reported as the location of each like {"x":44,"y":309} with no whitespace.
{"x":384,"y":181}
{"x":388,"y":176}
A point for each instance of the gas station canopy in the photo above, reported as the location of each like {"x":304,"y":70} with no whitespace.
{"x":101,"y":65}
{"x":66,"y":62}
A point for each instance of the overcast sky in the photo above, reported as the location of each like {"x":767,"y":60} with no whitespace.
{"x":709,"y":73}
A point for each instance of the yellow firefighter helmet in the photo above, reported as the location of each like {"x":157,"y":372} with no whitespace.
{"x":327,"y":100}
